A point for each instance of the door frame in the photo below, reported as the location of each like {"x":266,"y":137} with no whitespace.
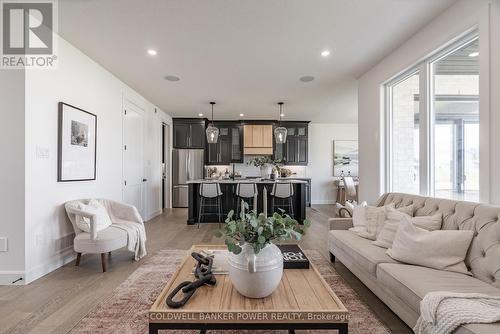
{"x":167,"y":121}
{"x":166,"y":148}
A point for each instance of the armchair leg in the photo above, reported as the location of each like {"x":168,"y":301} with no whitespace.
{"x":103,"y":261}
{"x":332,"y":258}
{"x":78,"y":258}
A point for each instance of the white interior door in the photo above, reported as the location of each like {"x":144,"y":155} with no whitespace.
{"x":133,"y":161}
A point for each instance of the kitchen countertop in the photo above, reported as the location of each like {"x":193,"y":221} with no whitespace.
{"x":251,"y":180}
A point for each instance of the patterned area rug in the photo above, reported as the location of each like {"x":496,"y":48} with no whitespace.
{"x":125,"y":311}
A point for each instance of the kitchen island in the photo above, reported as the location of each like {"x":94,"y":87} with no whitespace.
{"x":229,"y":199}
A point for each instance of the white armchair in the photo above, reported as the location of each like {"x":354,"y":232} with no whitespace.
{"x":107,"y":240}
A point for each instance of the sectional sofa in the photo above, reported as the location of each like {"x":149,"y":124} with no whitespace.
{"x":401,"y":286}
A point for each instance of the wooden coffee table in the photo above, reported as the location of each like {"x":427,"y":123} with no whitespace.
{"x":303,"y":300}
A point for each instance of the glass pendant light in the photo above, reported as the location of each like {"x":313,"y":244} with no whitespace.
{"x":280,"y":132}
{"x":212,"y":131}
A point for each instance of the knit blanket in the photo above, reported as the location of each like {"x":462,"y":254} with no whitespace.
{"x":441,"y":312}
{"x":136,"y":237}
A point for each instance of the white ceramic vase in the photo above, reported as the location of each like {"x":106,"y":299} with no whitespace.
{"x":256,"y":275}
{"x":266,"y":170}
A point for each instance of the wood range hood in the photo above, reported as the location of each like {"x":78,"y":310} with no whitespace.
{"x":258,"y":139}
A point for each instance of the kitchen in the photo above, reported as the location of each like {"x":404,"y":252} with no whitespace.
{"x":226,"y":162}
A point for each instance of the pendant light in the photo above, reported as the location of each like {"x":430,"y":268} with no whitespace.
{"x":280,"y":132}
{"x":212,"y":131}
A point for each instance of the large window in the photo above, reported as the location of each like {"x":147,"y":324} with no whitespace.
{"x":433,"y":125}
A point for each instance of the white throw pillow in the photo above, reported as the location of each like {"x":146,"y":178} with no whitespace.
{"x":102,"y":217}
{"x":376,"y":218}
{"x":394,"y":217}
{"x":442,"y":249}
{"x":358,"y":214}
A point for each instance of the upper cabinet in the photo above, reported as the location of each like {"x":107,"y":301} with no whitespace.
{"x":258,"y":139}
{"x":189,"y":133}
{"x":228,"y":148}
{"x":295,"y":150}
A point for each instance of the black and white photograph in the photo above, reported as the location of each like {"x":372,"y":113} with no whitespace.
{"x":77,"y":144}
{"x":79,"y":134}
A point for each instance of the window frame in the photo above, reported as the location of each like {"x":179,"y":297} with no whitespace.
{"x":426,"y":112}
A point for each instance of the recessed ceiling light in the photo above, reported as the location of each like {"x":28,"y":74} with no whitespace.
{"x":172,"y":78}
{"x":306,"y":78}
{"x":152,"y":52}
{"x":282,"y":115}
{"x":474,"y":54}
{"x":325,"y":53}
{"x":241,"y":115}
{"x":200,"y":114}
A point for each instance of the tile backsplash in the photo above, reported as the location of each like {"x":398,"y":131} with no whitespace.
{"x":249,"y":170}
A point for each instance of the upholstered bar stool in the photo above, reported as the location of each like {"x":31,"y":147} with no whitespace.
{"x":247,"y":192}
{"x":210,"y":197}
{"x":283,"y":194}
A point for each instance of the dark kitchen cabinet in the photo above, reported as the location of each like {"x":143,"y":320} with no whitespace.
{"x":295,"y":150}
{"x":229,"y":146}
{"x":189,"y":133}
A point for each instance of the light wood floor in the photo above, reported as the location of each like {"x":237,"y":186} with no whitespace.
{"x":55,"y":302}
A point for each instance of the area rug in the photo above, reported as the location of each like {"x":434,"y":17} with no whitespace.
{"x":125,"y":310}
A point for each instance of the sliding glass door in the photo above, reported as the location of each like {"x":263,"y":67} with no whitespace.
{"x":432,"y":127}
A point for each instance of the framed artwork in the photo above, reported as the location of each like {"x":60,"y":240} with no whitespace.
{"x":345,"y":157}
{"x":77,"y":144}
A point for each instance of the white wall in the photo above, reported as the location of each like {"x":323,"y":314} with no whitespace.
{"x":320,"y":167}
{"x":81,"y":82}
{"x":12,"y":174}
{"x":462,"y":16}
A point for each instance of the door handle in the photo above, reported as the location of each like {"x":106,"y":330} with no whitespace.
{"x":144,"y":180}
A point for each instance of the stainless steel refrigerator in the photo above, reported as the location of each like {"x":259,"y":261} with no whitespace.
{"x":188,"y":165}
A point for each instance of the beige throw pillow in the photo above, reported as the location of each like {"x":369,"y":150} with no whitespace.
{"x":376,"y":218}
{"x":442,"y":249}
{"x":358,"y":214}
{"x":394,"y":217}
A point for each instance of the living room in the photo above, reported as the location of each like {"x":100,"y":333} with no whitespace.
{"x":138,"y":133}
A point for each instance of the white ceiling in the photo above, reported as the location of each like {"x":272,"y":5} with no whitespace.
{"x":245,"y":54}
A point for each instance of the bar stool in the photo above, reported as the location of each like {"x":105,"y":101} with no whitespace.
{"x":209,"y":192}
{"x":246,"y":192}
{"x":284,"y":193}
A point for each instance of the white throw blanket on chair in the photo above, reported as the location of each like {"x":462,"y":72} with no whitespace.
{"x":136,"y":237}
{"x":441,"y":312}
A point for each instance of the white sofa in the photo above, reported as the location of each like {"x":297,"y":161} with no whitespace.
{"x":400,"y":286}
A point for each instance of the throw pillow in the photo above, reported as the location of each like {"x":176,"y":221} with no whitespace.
{"x":102,"y":220}
{"x":359,"y":214}
{"x":442,"y":249}
{"x":376,"y":218}
{"x":394,"y":217}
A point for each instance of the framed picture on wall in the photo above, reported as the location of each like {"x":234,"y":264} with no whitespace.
{"x":77,"y":144}
{"x":345,"y":157}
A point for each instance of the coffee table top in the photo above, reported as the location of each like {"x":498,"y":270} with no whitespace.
{"x":302,"y":296}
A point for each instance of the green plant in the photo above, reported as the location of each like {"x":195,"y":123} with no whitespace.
{"x":259,"y":230}
{"x":264,"y":160}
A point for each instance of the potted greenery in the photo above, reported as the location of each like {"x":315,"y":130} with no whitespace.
{"x":266,"y":165}
{"x":255,"y":263}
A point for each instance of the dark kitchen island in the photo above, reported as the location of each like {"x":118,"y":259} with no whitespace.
{"x":229,"y":199}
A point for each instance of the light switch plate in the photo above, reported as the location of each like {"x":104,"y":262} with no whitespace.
{"x":3,"y":244}
{"x":42,"y":152}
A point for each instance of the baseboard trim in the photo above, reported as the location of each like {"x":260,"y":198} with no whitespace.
{"x":153,"y":214}
{"x":7,"y":277}
{"x":58,"y":260}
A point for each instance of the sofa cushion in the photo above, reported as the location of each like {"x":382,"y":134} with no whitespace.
{"x":412,"y":283}
{"x":107,"y":240}
{"x":360,"y":249}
